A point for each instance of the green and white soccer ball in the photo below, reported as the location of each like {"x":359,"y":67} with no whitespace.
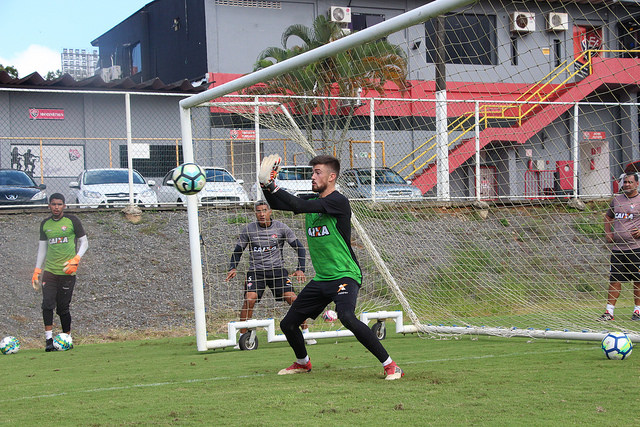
{"x":617,"y":346}
{"x":63,"y":342}
{"x":9,"y":345}
{"x":189,"y":178}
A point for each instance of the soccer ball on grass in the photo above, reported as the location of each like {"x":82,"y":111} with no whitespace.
{"x":189,"y":178}
{"x":9,"y":345}
{"x":63,"y":342}
{"x":617,"y":345}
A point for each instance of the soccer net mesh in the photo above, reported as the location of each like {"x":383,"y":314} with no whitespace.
{"x":540,"y":118}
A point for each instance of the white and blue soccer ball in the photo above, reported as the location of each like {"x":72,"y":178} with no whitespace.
{"x":9,"y":345}
{"x":62,"y":342}
{"x":617,"y":346}
{"x":189,"y":178}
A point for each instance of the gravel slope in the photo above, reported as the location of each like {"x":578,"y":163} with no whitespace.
{"x":126,"y":286}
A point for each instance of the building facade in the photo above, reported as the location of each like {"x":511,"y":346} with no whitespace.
{"x":79,"y":63}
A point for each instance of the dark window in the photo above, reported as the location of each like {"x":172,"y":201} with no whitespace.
{"x":162,"y":158}
{"x":557,"y":52}
{"x":514,"y":50}
{"x":469,"y":39}
{"x":360,"y":21}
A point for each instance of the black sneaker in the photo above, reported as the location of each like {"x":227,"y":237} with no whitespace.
{"x":635,"y":315}
{"x":49,"y":346}
{"x":605,"y":317}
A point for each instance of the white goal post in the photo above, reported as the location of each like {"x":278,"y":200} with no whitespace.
{"x":510,"y":241}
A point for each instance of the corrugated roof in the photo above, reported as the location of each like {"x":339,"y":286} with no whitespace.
{"x":35,"y":81}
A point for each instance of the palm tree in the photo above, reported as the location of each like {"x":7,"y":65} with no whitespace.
{"x":364,"y":68}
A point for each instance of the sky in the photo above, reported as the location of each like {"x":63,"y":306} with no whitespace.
{"x":36,"y":31}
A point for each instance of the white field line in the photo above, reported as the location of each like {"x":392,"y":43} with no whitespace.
{"x":223,"y":378}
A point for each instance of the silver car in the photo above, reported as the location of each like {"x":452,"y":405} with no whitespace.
{"x":221,"y":187}
{"x":389,"y":186}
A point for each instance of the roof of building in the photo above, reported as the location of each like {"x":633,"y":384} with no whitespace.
{"x":66,"y":82}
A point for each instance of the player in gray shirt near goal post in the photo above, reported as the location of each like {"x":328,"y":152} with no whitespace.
{"x":266,"y":238}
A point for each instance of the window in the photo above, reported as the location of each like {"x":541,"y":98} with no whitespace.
{"x":469,"y":39}
{"x":136,"y":59}
{"x":360,"y":21}
{"x":557,"y":52}
{"x":514,"y":50}
{"x":162,"y":158}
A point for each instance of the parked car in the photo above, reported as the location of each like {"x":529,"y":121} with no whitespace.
{"x":296,"y":180}
{"x":110,"y":187}
{"x":221,"y":186}
{"x":18,"y":188}
{"x":389,"y":185}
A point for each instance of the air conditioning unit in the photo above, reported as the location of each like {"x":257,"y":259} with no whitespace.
{"x":557,"y":21}
{"x":523,"y":22}
{"x":110,"y":74}
{"x":340,"y":14}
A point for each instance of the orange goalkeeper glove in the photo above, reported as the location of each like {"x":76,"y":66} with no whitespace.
{"x":71,"y":266}
{"x":35,"y":279}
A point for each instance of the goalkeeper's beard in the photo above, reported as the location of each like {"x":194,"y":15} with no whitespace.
{"x":318,"y":188}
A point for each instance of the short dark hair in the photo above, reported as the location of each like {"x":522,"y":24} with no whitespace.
{"x":260,"y":203}
{"x":633,"y":174}
{"x":57,"y":196}
{"x":325,"y":159}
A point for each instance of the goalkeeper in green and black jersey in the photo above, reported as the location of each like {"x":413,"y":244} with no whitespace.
{"x":338,"y":275}
{"x":59,"y":236}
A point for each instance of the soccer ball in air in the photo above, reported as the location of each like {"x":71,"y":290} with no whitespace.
{"x":330,"y":316}
{"x":63,"y":342}
{"x":189,"y":178}
{"x":617,"y":345}
{"x":9,"y":345}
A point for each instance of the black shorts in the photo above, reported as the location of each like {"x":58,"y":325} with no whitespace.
{"x":624,"y":266}
{"x":277,"y":280}
{"x":313,"y":299}
{"x":57,"y":291}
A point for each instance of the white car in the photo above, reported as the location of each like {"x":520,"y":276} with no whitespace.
{"x":296,"y":180}
{"x":221,"y":187}
{"x":110,"y":187}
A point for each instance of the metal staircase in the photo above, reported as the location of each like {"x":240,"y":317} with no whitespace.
{"x":526,"y":116}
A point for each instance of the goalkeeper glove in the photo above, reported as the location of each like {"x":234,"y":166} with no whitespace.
{"x":35,"y":279}
{"x":71,"y":266}
{"x":269,"y":169}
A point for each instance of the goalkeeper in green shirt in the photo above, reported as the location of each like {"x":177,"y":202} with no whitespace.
{"x":62,"y":243}
{"x":338,"y":275}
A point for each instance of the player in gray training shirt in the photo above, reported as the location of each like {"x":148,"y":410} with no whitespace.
{"x":622,"y":229}
{"x":266,"y":238}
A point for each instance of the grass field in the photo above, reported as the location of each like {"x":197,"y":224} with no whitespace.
{"x":464,"y":381}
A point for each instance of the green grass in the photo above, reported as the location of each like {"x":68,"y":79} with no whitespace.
{"x":464,"y":381}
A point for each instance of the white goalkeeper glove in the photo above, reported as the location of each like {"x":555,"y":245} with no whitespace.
{"x":269,"y":169}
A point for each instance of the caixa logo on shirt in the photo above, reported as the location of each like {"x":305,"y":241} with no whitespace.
{"x":55,"y":240}
{"x":623,"y":215}
{"x":318,"y":231}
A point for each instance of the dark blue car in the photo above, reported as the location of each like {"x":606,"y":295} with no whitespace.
{"x":18,"y":188}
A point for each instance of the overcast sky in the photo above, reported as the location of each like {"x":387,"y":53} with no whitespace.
{"x":36,"y":31}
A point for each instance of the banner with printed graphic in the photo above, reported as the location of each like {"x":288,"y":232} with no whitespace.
{"x":48,"y":160}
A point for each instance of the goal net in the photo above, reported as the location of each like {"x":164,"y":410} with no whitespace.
{"x":480,"y":142}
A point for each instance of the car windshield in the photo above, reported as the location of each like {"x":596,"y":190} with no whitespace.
{"x":219,"y":175}
{"x":16,"y":178}
{"x":111,"y":176}
{"x":383,"y":176}
{"x":298,"y":174}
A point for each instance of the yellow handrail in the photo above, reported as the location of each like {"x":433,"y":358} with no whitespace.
{"x":521,"y":104}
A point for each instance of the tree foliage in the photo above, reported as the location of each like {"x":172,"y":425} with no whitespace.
{"x":364,"y":68}
{"x":10,"y":69}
